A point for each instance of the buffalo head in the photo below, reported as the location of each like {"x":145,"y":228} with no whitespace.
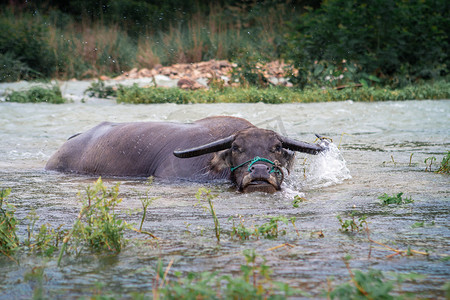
{"x":256,"y":157}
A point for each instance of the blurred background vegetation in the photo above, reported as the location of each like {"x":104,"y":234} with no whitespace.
{"x":331,"y":42}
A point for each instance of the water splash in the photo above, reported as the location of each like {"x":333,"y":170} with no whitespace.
{"x":327,"y":168}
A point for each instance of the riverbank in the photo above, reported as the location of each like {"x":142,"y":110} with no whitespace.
{"x":163,"y":89}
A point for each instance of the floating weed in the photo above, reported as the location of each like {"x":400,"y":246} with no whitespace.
{"x":444,"y":168}
{"x":297,"y":201}
{"x":206,"y":195}
{"x":240,"y":231}
{"x":372,"y":284}
{"x":352,"y":224}
{"x":268,"y":230}
{"x":9,"y":242}
{"x":37,"y":277}
{"x":396,"y":199}
{"x":429,"y":162}
{"x":252,"y":282}
{"x":422,"y":224}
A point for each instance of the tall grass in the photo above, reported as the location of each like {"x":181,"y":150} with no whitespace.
{"x":67,"y":48}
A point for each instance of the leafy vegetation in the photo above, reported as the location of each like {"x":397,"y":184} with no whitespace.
{"x":253,"y":282}
{"x":352,"y":225}
{"x":444,"y":168}
{"x":329,"y":43}
{"x":267,"y":230}
{"x":364,"y":42}
{"x":395,"y":199}
{"x":37,"y":94}
{"x":205,"y":195}
{"x":100,"y":90}
{"x":278,"y":95}
{"x":372,"y":284}
{"x":9,"y":241}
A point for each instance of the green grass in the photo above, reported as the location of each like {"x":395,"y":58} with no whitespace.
{"x":279,"y":95}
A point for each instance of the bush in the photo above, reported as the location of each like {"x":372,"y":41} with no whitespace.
{"x":396,"y":41}
{"x":26,"y":40}
{"x":37,"y":94}
{"x":13,"y":69}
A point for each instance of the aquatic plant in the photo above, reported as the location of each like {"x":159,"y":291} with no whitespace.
{"x":429,"y":162}
{"x":297,"y":200}
{"x":253,"y":282}
{"x":270,"y":230}
{"x":97,"y":225}
{"x":100,"y":90}
{"x":9,"y":242}
{"x":372,"y":284}
{"x":47,"y":239}
{"x":352,"y":225}
{"x":444,"y":168}
{"x":206,"y":195}
{"x":37,"y":94}
{"x":267,"y":230}
{"x":395,"y":199}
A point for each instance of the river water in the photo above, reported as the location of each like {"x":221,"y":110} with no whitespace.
{"x":382,"y":148}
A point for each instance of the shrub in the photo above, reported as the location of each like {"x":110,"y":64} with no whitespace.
{"x":37,"y":94}
{"x":26,"y":39}
{"x":396,"y":41}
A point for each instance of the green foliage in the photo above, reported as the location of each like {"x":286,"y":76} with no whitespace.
{"x":102,"y":229}
{"x":359,"y":41}
{"x":37,"y":94}
{"x":253,"y":282}
{"x":395,"y":199}
{"x":444,"y":168}
{"x":372,"y":284}
{"x":97,"y":225}
{"x":205,"y":195}
{"x":9,"y":242}
{"x":352,"y":225}
{"x":278,"y":95}
{"x":270,"y":230}
{"x":47,"y":240}
{"x":429,"y":162}
{"x":297,"y":201}
{"x":248,"y":71}
{"x":13,"y":69}
{"x":100,"y":90}
{"x":267,"y":230}
{"x":26,"y":40}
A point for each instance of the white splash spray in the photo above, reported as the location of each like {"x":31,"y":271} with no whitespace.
{"x":325,"y":169}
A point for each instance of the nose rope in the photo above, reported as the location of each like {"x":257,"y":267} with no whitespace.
{"x":275,"y":165}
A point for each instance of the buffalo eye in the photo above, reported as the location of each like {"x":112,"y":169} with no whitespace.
{"x":278,"y":148}
{"x":235,"y":148}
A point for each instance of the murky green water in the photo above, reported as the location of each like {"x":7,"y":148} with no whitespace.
{"x":376,"y":140}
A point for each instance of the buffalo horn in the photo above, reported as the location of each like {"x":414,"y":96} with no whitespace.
{"x":205,"y":149}
{"x":301,"y":146}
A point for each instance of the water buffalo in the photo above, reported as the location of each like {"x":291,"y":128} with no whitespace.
{"x":254,"y":159}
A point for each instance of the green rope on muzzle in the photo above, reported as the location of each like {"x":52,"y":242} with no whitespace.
{"x":275,"y":166}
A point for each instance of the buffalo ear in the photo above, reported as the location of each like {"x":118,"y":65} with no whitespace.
{"x":215,"y":146}
{"x":221,"y":160}
{"x":298,"y":146}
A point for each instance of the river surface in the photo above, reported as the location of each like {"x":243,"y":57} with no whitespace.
{"x":382,"y":148}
